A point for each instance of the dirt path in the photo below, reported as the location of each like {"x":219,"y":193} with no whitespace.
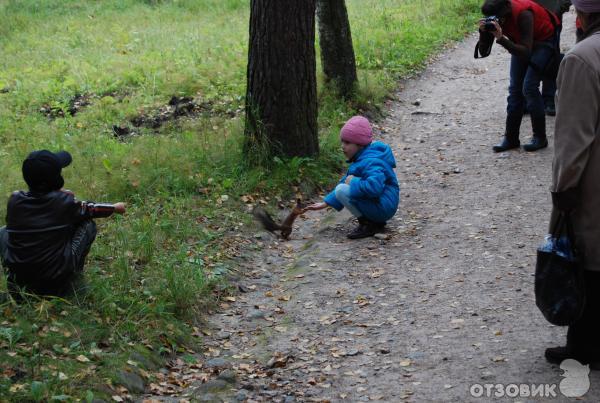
{"x":445,"y":302}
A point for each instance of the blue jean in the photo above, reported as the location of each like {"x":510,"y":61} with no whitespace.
{"x":524,"y":88}
{"x":342,"y":193}
{"x":549,"y":84}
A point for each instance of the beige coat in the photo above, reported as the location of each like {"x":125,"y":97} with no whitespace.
{"x":577,"y":142}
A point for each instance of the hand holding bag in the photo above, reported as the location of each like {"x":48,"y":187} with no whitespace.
{"x":559,"y":286}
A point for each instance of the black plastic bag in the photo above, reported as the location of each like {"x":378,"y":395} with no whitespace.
{"x":559,"y":284}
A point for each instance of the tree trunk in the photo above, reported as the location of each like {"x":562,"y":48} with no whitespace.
{"x":335,"y":39}
{"x":281,"y":97}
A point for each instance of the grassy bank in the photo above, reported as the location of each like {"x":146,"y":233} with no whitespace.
{"x":154,"y":271}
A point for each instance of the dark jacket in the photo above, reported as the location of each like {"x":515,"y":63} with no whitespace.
{"x":40,"y":228}
{"x":558,"y":7}
{"x":374,"y":189}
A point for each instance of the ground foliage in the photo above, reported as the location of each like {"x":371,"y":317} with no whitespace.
{"x":78,"y":75}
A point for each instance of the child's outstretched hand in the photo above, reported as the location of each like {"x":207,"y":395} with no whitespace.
{"x":119,"y":208}
{"x":316,"y":206}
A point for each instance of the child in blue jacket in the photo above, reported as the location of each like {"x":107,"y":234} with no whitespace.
{"x":369,"y":190}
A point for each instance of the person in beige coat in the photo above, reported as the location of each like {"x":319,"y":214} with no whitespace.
{"x":576,"y":175}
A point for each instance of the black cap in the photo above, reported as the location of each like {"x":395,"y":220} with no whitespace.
{"x":42,"y":169}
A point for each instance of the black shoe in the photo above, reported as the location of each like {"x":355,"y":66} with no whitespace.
{"x":550,"y":110}
{"x":365,"y":229}
{"x":506,"y":145}
{"x":537,"y":143}
{"x":556,"y":355}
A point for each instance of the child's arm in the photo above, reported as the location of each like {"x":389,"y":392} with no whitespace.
{"x":100,"y":210}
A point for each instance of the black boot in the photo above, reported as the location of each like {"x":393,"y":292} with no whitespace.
{"x":556,"y":355}
{"x":507,"y":144}
{"x":511,"y":135}
{"x":365,"y":229}
{"x":539,"y":140}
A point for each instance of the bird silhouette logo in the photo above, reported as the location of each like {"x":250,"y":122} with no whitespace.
{"x":577,"y":381}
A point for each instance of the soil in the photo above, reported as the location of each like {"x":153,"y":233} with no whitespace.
{"x":75,"y":105}
{"x":441,"y":301}
{"x":183,"y":106}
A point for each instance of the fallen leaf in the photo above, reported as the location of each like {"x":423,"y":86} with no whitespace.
{"x":279,"y":360}
{"x":16,"y":387}
{"x":82,"y":358}
{"x":377,"y":273}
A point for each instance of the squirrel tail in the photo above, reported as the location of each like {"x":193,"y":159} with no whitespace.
{"x":265,"y":219}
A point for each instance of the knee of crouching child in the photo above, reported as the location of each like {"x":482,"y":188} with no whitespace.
{"x":342,"y":190}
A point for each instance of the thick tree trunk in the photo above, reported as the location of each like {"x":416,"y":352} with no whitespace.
{"x":281,"y":98}
{"x":335,"y":39}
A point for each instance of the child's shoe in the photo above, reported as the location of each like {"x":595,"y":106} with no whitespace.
{"x":365,"y":229}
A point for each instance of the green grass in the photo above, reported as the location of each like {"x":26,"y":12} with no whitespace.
{"x":153,"y":272}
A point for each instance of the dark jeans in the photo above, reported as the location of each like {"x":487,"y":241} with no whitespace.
{"x":70,"y":279}
{"x":582,"y":337}
{"x":549,"y":85}
{"x":525,"y":83}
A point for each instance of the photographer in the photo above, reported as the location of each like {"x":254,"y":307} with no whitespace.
{"x":529,"y":32}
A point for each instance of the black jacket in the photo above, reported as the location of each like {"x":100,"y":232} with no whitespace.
{"x":40,"y":228}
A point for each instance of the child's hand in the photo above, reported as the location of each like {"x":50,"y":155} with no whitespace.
{"x":316,"y":206}
{"x":349,"y":179}
{"x":119,"y":208}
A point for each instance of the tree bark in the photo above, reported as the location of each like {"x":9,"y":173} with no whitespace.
{"x":281,"y":97}
{"x":335,"y":39}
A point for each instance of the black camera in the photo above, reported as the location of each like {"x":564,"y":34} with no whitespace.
{"x":489,"y":23}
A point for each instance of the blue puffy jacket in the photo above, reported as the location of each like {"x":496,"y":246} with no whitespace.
{"x":374,"y":190}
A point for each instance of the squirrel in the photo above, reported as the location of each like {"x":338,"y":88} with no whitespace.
{"x":286,"y":226}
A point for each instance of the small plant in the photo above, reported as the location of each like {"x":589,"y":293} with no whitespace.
{"x":10,"y":335}
{"x":38,"y":391}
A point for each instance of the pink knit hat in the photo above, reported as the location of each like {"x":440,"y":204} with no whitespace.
{"x":587,"y":6}
{"x":357,"y":130}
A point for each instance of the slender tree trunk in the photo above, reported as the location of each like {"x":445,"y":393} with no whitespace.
{"x":335,"y":39}
{"x":281,"y":97}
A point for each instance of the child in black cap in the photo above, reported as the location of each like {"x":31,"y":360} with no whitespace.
{"x":48,"y":233}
